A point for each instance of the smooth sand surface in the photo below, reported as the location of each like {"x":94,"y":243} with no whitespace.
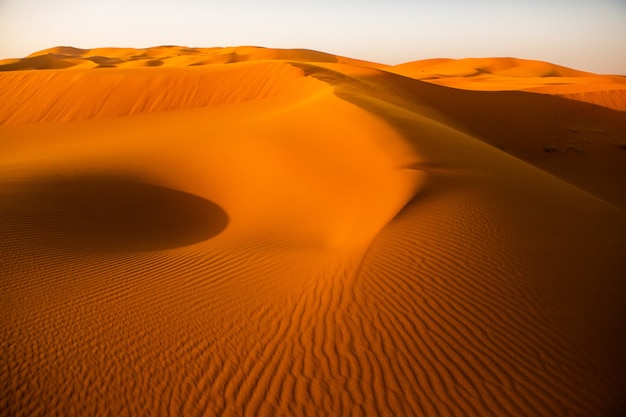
{"x":249,"y":231}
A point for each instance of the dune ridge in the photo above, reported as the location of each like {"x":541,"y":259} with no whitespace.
{"x":249,"y":231}
{"x":165,"y":56}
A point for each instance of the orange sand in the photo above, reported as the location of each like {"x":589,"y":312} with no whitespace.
{"x":249,"y":231}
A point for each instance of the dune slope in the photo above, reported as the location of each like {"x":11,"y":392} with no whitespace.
{"x":581,"y":142}
{"x":297,"y":235}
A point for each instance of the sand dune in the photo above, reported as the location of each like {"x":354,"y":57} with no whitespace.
{"x":498,"y":74}
{"x":248,"y":231}
{"x":65,"y":96}
{"x":48,"y":61}
{"x":183,"y":56}
{"x":511,"y":67}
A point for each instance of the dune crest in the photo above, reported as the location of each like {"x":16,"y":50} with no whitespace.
{"x":253,"y":231}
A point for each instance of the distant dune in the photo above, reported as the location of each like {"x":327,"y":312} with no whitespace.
{"x":252,"y":231}
{"x":498,"y":74}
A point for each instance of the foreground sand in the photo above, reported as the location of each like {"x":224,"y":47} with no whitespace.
{"x":248,"y":231}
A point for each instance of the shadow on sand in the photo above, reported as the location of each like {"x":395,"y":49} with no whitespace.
{"x":105,"y":215}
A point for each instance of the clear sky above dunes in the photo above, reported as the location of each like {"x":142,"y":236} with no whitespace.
{"x":585,"y":34}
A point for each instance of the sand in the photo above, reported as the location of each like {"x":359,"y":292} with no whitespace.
{"x":251,"y":231}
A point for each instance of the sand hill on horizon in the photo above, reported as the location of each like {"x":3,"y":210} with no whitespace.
{"x":254,"y":231}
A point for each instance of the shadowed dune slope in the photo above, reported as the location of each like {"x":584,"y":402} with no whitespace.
{"x":304,"y":237}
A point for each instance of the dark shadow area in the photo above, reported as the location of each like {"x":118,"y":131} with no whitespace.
{"x":497,"y":116}
{"x":105,"y":215}
{"x":154,"y":63}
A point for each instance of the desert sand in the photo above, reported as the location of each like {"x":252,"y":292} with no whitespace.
{"x":251,"y":231}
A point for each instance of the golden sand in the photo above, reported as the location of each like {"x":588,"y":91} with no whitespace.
{"x":250,"y":231}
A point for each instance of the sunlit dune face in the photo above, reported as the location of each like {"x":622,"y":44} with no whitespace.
{"x":114,"y":92}
{"x":252,"y":231}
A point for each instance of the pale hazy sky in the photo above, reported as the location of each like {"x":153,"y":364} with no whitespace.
{"x":585,"y":34}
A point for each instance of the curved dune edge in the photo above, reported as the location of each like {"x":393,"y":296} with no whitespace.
{"x":319,"y":238}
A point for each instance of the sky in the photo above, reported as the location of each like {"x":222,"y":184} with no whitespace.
{"x":584,"y":34}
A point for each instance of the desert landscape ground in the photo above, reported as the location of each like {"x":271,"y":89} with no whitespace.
{"x":250,"y":231}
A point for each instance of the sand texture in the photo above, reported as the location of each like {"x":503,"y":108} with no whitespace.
{"x":261,"y":232}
